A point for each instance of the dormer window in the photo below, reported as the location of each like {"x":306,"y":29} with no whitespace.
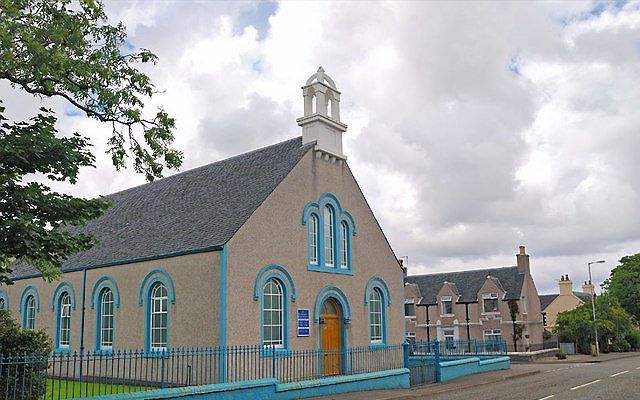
{"x":446,"y":305}
{"x":490,"y":303}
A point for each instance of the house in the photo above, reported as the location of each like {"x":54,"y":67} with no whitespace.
{"x":566,"y":300}
{"x":276,"y":247}
{"x":474,"y":304}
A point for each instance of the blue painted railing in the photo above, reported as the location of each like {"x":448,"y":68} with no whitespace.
{"x":424,"y":357}
{"x":57,"y":376}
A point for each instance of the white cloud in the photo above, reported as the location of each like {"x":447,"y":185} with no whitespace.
{"x":473,"y":127}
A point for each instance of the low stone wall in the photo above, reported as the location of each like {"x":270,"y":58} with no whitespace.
{"x":472,"y":365}
{"x":270,"y":389}
{"x":531,"y":356}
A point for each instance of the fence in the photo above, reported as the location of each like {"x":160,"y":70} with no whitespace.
{"x":63,"y":376}
{"x":424,"y":357}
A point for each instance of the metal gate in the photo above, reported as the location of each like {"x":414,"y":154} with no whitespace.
{"x":422,"y":370}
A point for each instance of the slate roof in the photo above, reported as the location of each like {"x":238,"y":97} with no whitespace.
{"x":585,"y":297}
{"x":468,"y":283}
{"x":546,"y":299}
{"x":189,"y":211}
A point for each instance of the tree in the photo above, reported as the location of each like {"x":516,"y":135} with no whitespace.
{"x":64,"y":49}
{"x":517,"y":328}
{"x":577,"y":325}
{"x":624,"y":284}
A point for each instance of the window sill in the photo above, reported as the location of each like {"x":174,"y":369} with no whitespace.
{"x":447,"y":315}
{"x":62,"y":350}
{"x":492,"y":314}
{"x":377,"y":345}
{"x":156,"y":353}
{"x":329,"y":270}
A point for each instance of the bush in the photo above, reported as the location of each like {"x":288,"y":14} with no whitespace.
{"x":633,"y":338}
{"x":561,"y":356}
{"x":620,"y":345}
{"x":31,"y":369}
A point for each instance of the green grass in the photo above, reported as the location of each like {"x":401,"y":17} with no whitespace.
{"x":61,"y":389}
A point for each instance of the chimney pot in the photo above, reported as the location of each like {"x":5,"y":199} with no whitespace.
{"x":522,"y":250}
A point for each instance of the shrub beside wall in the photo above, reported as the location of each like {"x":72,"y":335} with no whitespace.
{"x":15,"y":342}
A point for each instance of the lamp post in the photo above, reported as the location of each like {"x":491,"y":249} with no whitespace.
{"x":593,"y":304}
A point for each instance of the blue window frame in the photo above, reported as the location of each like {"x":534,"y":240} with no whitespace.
{"x":29,"y":307}
{"x":377,"y":297}
{"x":105,"y":299}
{"x":29,"y":321}
{"x":63,"y":322}
{"x":106,"y":320}
{"x":275,"y":290}
{"x":158,"y":317}
{"x":157,"y":290}
{"x":329,"y":233}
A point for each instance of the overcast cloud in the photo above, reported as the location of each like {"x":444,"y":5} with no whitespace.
{"x":473,"y":127}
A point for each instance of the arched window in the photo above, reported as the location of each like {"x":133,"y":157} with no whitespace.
{"x":273,"y":314}
{"x":64,"y":320}
{"x":376,"y":321}
{"x":159,"y":317}
{"x":105,"y":319}
{"x":344,"y":245}
{"x":30,"y":313}
{"x":313,"y":239}
{"x":329,"y":253}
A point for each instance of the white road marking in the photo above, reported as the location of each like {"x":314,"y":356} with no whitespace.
{"x":548,"y":397}
{"x":638,"y":368}
{"x":586,"y":384}
{"x":619,"y":373}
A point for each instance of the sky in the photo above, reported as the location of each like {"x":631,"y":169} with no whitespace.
{"x":474,"y":127}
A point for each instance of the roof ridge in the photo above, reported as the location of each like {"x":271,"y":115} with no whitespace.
{"x":462,"y":271}
{"x":263,"y":148}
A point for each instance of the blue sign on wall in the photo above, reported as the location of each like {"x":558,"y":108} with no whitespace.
{"x":303,"y":322}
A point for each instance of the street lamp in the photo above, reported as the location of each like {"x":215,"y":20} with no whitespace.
{"x":593,"y":304}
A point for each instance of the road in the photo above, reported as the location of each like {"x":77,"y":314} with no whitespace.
{"x":619,"y":379}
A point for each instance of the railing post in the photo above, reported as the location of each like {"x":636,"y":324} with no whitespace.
{"x":273,"y":361}
{"x":162,"y":369}
{"x":405,"y":351}
{"x":436,"y":344}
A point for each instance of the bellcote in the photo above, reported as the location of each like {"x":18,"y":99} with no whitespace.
{"x":321,"y":121}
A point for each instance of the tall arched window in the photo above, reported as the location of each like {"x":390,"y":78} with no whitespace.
{"x":344,"y":245}
{"x":159,"y":321}
{"x":313,"y":239}
{"x":106,"y":319}
{"x":329,"y":253}
{"x":30,"y":313}
{"x":64,"y":320}
{"x":273,"y":314}
{"x":376,"y":322}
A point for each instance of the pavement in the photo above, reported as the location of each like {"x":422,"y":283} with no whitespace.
{"x":606,"y":377}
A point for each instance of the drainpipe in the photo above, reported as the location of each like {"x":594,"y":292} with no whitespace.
{"x":84,"y":290}
{"x":466,"y":306}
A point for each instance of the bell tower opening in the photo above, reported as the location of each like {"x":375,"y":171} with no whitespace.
{"x":321,"y":121}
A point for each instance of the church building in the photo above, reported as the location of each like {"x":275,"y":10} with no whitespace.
{"x":275,"y":247}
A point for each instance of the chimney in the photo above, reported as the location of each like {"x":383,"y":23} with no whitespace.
{"x":566,"y":286}
{"x":523,"y":260}
{"x":588,"y":287}
{"x":321,"y":120}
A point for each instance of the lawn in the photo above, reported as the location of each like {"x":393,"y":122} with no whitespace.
{"x":60,"y":389}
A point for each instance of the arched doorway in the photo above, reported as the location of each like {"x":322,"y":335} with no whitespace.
{"x":331,"y":337}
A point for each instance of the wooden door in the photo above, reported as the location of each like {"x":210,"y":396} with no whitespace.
{"x":331,"y":338}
